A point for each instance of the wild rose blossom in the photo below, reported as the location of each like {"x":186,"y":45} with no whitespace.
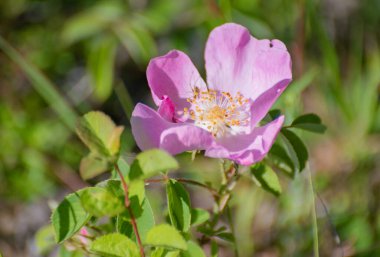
{"x":245,"y":76}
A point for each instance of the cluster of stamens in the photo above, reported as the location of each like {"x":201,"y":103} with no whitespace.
{"x":218,"y":112}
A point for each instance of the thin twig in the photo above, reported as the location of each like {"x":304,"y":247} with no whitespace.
{"x":230,"y":175}
{"x":87,"y":236}
{"x":196,"y":183}
{"x":187,"y":181}
{"x":80,"y":245}
{"x":128,"y":206}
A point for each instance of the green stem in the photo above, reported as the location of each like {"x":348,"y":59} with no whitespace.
{"x":229,"y":179}
{"x":314,"y":217}
{"x":231,"y":176}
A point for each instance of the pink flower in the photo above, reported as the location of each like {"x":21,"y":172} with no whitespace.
{"x":245,"y":76}
{"x":84,"y":233}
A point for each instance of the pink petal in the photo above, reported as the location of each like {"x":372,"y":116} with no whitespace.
{"x":150,"y":130}
{"x":237,"y":62}
{"x":175,"y":76}
{"x":264,"y":102}
{"x":250,"y":148}
{"x":185,"y":137}
{"x":167,"y":109}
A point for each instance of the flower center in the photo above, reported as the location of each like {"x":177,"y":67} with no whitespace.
{"x":219,"y":112}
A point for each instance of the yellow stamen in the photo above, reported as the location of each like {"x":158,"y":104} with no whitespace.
{"x":218,"y":112}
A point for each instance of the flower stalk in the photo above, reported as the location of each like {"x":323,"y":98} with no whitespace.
{"x":230,"y":178}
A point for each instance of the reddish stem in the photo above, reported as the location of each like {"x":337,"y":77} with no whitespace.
{"x":128,"y":206}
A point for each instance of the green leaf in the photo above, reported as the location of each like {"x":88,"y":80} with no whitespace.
{"x":214,"y":249}
{"x":266,"y":178}
{"x":151,"y":163}
{"x":162,"y":252}
{"x":193,"y":250}
{"x":296,"y":149}
{"x":69,"y":217}
{"x":44,"y":239}
{"x":99,"y":133}
{"x":227,"y":236}
{"x":137,"y":40}
{"x":178,"y":205}
{"x":123,"y":167}
{"x":309,"y":122}
{"x":113,"y":186}
{"x":144,"y":220}
{"x":101,"y":66}
{"x":199,"y":216}
{"x":280,"y":158}
{"x":166,"y":236}
{"x":274,"y":114}
{"x":63,"y":252}
{"x":115,"y":245}
{"x":92,"y":21}
{"x":137,"y":191}
{"x":93,"y":165}
{"x":100,"y":202}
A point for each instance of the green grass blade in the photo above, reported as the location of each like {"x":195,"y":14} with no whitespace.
{"x":42,"y":85}
{"x":124,"y":98}
{"x":314,"y":216}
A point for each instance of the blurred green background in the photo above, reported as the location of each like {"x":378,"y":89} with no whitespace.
{"x":62,"y":58}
